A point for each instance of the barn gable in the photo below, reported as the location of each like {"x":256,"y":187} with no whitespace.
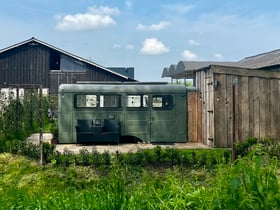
{"x":34,"y":62}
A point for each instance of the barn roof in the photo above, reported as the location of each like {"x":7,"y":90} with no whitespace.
{"x":195,"y":65}
{"x":34,"y":40}
{"x":186,"y":68}
{"x":271,"y":58}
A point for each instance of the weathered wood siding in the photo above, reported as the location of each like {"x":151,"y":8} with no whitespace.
{"x":194,"y":117}
{"x":32,"y":64}
{"x":257,"y":104}
{"x":28,"y":64}
{"x":204,"y":82}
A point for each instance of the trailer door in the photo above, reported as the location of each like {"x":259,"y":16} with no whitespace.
{"x":162,"y":119}
{"x":137,"y":117}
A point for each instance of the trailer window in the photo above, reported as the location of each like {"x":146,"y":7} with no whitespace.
{"x":86,"y":101}
{"x":162,"y":102}
{"x":137,"y":100}
{"x":109,"y":101}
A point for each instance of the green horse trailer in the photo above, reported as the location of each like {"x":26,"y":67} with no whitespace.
{"x":91,"y":113}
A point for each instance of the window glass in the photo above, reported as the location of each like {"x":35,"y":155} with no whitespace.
{"x":137,"y":100}
{"x":108,"y":101}
{"x":145,"y":100}
{"x":134,"y":101}
{"x":162,"y":102}
{"x":86,"y":101}
{"x":157,"y":101}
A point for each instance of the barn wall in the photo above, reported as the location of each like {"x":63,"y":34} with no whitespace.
{"x":32,"y":64}
{"x":28,"y":64}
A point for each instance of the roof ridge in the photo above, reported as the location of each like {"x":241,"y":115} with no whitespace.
{"x":61,"y":51}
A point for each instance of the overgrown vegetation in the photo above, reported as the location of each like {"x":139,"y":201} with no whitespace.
{"x":20,"y":117}
{"x":150,"y":179}
{"x":161,"y":178}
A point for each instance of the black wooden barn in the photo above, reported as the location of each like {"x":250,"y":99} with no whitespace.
{"x":33,"y":62}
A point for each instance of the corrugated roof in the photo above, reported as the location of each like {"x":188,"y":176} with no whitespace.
{"x":165,"y":72}
{"x":259,"y":61}
{"x":33,"y":39}
{"x":271,"y":58}
{"x":196,"y":65}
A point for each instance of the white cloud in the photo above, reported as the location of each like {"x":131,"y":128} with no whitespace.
{"x":218,"y":56}
{"x":179,"y":8}
{"x":188,"y":55}
{"x":153,"y":46}
{"x":129,"y":46}
{"x":154,"y":27}
{"x":95,"y":17}
{"x":193,"y":42}
{"x":128,"y":4}
{"x":117,"y":45}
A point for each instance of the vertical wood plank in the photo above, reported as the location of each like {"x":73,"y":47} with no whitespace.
{"x":228,"y":114}
{"x":264,"y":109}
{"x":243,"y":108}
{"x":209,"y":108}
{"x":256,"y":107}
{"x":220,"y":111}
{"x":204,"y":107}
{"x":275,"y":94}
{"x":192,"y":117}
{"x":251,"y":107}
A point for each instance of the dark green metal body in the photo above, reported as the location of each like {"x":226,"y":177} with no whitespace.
{"x":150,"y":112}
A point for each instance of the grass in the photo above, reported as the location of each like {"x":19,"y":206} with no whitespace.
{"x":251,"y":183}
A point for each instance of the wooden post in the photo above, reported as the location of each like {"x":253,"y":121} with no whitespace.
{"x":41,"y":125}
{"x":234,"y":82}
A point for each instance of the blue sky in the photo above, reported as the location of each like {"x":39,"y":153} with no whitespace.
{"x":147,"y":35}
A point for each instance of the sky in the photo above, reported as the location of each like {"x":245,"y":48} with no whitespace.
{"x":146,"y":35}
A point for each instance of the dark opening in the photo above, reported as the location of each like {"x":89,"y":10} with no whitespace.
{"x":54,"y":60}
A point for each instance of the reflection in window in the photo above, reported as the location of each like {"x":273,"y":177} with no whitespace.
{"x":108,"y":101}
{"x":134,"y":101}
{"x":86,"y":101}
{"x":157,"y":101}
{"x":137,"y":101}
{"x":145,"y":100}
{"x":162,"y":102}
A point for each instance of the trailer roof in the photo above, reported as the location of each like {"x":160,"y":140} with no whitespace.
{"x":122,"y":87}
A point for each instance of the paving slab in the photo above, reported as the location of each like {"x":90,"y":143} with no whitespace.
{"x":121,"y":148}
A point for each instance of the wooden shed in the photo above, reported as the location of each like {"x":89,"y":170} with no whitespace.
{"x":34,"y":62}
{"x":234,"y":101}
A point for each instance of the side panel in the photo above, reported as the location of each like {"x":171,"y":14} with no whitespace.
{"x":65,"y":121}
{"x":137,"y":123}
{"x":169,"y":125}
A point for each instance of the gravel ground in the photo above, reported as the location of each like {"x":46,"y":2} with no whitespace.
{"x":122,"y":148}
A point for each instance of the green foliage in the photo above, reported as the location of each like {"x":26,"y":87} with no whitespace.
{"x":243,"y":148}
{"x":252,"y":182}
{"x":20,"y":118}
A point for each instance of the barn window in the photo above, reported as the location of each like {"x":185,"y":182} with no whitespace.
{"x":162,"y":102}
{"x":54,"y":60}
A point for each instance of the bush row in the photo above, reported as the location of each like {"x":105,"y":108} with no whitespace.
{"x":156,"y":157}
